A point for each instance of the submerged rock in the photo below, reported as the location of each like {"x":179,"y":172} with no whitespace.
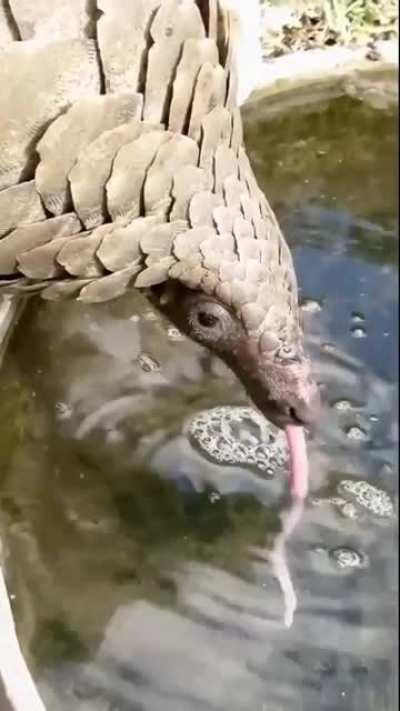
{"x":239,"y":435}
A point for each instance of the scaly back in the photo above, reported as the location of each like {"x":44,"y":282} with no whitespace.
{"x":122,"y":160}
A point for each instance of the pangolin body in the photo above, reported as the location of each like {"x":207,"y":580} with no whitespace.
{"x":122,"y":159}
{"x":122,"y":165}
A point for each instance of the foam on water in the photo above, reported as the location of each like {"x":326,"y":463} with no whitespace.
{"x":239,"y":435}
{"x":367,"y":496}
{"x":353,"y":498}
{"x":357,"y":433}
{"x":343,"y":405}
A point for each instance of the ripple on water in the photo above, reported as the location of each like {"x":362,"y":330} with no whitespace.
{"x":239,"y":435}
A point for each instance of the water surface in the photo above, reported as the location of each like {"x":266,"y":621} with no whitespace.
{"x":138,"y":566}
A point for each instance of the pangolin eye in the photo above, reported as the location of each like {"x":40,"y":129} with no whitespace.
{"x":210,"y":322}
{"x":207,"y":320}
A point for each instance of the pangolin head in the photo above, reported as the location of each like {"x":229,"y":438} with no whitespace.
{"x":254,"y":327}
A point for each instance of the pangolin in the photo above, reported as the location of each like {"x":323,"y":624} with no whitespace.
{"x":122,"y":165}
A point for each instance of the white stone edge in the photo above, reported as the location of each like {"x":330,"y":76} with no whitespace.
{"x":290,"y":71}
{"x":17,"y":680}
{"x":10,"y":308}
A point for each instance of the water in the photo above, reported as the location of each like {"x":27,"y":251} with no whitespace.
{"x":138,"y":564}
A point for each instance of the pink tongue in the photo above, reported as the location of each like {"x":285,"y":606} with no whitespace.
{"x":298,"y":461}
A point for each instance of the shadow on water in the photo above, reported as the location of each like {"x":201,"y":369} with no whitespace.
{"x":137,"y":564}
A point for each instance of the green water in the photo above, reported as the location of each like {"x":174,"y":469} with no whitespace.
{"x":131,"y":556}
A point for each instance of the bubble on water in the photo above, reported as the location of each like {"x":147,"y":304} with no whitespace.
{"x":343,"y":405}
{"x":239,"y":435}
{"x":310,"y":306}
{"x":64,"y":411}
{"x":319,"y":550}
{"x":357,"y":434}
{"x":356,"y":499}
{"x":357,"y":317}
{"x":150,"y":316}
{"x":345,"y":557}
{"x":174,"y":334}
{"x":337,"y":500}
{"x":368,"y":497}
{"x":319,"y":501}
{"x":328,"y":347}
{"x":358,"y":332}
{"x":214,"y":497}
{"x":349,"y":510}
{"x":148,"y":363}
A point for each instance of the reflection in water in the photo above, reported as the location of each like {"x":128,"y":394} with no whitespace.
{"x":276,"y":556}
{"x":142,"y":569}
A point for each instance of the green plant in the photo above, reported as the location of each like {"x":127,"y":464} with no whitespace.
{"x":348,"y":21}
{"x":352,"y":18}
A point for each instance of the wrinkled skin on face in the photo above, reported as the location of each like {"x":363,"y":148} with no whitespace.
{"x":275,"y":374}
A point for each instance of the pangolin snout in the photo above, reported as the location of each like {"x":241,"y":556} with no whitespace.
{"x":286,"y":395}
{"x":305,"y":411}
{"x":280,"y":413}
